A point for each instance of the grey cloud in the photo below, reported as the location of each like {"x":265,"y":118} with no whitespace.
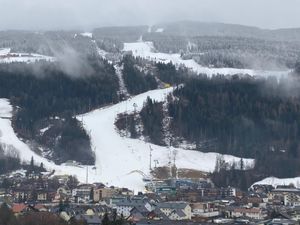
{"x":87,"y":14}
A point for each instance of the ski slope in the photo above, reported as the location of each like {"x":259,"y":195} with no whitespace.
{"x":146,"y":50}
{"x":274,"y":181}
{"x":120,"y":160}
{"x":12,"y":144}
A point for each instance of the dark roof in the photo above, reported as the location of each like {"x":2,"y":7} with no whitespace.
{"x":172,"y":205}
{"x":179,"y":212}
{"x":140,"y":208}
{"x":132,"y":203}
{"x":160,"y":214}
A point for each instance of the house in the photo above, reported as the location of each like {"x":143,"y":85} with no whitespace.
{"x":176,"y":210}
{"x":157,"y":214}
{"x":177,"y":214}
{"x":205,"y":210}
{"x":44,"y":195}
{"x":62,"y":194}
{"x":252,"y":213}
{"x":124,"y":207}
{"x":138,"y":213}
{"x":291,"y":199}
{"x":256,"y":201}
{"x":18,"y":208}
{"x":82,"y":193}
{"x":22,"y":194}
{"x":101,"y":210}
{"x":104,"y":193}
{"x":289,"y":196}
{"x":125,"y":192}
{"x":227,"y":192}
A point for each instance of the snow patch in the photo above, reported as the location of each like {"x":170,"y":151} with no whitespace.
{"x":159,"y":30}
{"x":87,"y":34}
{"x":42,"y":131}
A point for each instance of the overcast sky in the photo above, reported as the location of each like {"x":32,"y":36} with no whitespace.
{"x":86,"y":14}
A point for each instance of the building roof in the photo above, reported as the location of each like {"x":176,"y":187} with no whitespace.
{"x":172,"y":205}
{"x":141,"y":209}
{"x":132,"y":203}
{"x":179,"y":212}
{"x":160,"y":214}
{"x":18,"y":208}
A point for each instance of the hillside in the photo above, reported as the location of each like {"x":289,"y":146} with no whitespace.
{"x":111,"y":98}
{"x":194,"y":28}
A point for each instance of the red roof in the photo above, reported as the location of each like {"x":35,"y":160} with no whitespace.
{"x":17,"y":208}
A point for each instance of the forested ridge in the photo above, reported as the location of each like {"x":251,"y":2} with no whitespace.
{"x":244,"y":117}
{"x":240,"y":116}
{"x":47,"y":96}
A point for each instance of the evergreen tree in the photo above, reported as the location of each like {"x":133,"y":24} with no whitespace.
{"x":105,"y":220}
{"x":42,"y":167}
{"x":32,"y":165}
{"x":6,"y":215}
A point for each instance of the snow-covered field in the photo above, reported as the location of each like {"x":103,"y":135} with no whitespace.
{"x":146,"y":50}
{"x":274,"y":181}
{"x":119,"y":160}
{"x":6,"y":56}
